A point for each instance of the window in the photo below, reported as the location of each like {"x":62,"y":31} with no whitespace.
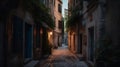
{"x":60,"y":25}
{"x":59,"y":8}
{"x":54,"y":2}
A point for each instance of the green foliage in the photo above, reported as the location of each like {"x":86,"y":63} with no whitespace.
{"x":72,"y":20}
{"x":39,"y":12}
{"x":75,"y":16}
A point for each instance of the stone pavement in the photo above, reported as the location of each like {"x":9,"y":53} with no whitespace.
{"x":62,"y":57}
{"x":31,"y":64}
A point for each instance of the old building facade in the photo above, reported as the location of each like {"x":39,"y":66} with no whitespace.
{"x":58,"y":23}
{"x":94,"y":27}
{"x":24,"y":38}
{"x":75,"y":28}
{"x":88,"y":29}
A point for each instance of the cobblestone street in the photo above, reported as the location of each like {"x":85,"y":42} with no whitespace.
{"x":62,"y":57}
{"x":59,"y":33}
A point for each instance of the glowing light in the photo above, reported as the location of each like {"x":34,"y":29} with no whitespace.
{"x":51,"y":33}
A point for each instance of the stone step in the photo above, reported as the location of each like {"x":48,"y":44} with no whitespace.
{"x":27,"y":60}
{"x":31,"y":63}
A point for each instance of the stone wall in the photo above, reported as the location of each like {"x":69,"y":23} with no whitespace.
{"x":113,"y":20}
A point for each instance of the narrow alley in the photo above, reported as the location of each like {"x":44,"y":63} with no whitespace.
{"x":59,"y":33}
{"x":62,"y":57}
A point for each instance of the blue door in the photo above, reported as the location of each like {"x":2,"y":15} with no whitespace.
{"x":28,"y":41}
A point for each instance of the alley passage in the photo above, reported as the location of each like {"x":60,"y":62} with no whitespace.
{"x":62,"y":57}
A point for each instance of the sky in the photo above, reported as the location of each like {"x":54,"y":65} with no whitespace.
{"x":65,"y":5}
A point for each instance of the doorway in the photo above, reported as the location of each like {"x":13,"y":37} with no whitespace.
{"x":80,"y":44}
{"x":28,"y":41}
{"x":91,"y":43}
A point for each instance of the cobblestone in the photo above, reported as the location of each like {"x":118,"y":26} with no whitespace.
{"x":62,"y":57}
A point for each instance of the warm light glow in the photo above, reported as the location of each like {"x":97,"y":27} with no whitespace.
{"x":51,"y":33}
{"x":50,"y":37}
